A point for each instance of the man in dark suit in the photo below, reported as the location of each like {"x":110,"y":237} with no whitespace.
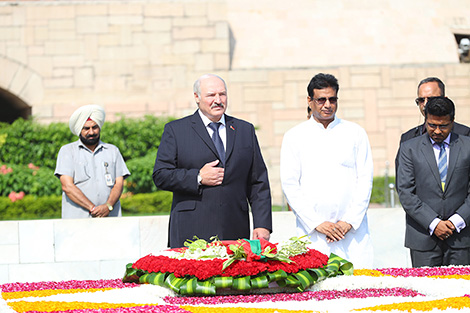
{"x":213,"y":165}
{"x":427,"y":88}
{"x":433,"y":180}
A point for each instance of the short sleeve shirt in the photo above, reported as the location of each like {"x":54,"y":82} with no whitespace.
{"x":88,"y":170}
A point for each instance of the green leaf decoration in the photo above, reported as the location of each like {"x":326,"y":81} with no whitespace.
{"x":304,"y":279}
{"x":227,"y":263}
{"x":174,"y":283}
{"x":129,"y":269}
{"x":260,"y":282}
{"x":222,"y":282}
{"x":205,"y":288}
{"x":144,"y":279}
{"x":292,"y":281}
{"x":196,"y":244}
{"x":188,"y":287}
{"x":277,"y":275}
{"x":347,"y":268}
{"x":131,"y":274}
{"x":282,"y":282}
{"x":241,"y":283}
{"x":318,"y":274}
{"x":336,"y":265}
{"x":157,"y":279}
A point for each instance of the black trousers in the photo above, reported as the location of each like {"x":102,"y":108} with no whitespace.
{"x":441,"y":255}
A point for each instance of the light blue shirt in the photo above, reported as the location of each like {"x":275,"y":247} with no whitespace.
{"x":88,"y":170}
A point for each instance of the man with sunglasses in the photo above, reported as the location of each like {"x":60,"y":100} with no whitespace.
{"x":433,"y":180}
{"x":326,"y":175}
{"x":427,"y":88}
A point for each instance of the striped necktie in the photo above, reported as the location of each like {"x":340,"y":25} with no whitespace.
{"x":442,"y":163}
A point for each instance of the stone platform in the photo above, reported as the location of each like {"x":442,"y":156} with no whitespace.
{"x":55,"y":250}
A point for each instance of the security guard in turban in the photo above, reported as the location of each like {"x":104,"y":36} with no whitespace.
{"x":91,"y":172}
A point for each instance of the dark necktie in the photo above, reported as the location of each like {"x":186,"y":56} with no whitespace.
{"x":442,"y":163}
{"x":219,"y":145}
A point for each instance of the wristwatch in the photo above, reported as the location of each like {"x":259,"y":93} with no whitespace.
{"x":110,"y":207}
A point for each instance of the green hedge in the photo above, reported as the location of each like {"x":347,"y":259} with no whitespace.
{"x":380,"y":189}
{"x":154,"y":203}
{"x":135,"y":137}
{"x":38,"y":182}
{"x":27,"y":141}
{"x":42,"y":182}
{"x":141,"y":170}
{"x":32,"y":207}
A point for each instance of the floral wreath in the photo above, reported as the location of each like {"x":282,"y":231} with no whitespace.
{"x":202,"y":268}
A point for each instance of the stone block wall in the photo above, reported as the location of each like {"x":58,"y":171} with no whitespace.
{"x":142,"y":57}
{"x":379,"y":98}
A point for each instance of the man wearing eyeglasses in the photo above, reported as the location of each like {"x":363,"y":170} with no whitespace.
{"x":427,"y":88}
{"x":326,"y":175}
{"x":433,"y":180}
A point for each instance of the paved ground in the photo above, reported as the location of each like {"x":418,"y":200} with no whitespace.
{"x":387,"y":227}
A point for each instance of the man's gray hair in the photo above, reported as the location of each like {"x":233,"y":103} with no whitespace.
{"x":197,"y":83}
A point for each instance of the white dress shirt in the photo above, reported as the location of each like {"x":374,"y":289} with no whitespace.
{"x":222,"y":128}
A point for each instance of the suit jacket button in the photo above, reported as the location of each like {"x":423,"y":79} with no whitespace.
{"x":443,"y":197}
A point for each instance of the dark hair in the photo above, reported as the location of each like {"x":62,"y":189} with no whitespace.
{"x":440,"y":106}
{"x":439,"y":82}
{"x":322,"y":81}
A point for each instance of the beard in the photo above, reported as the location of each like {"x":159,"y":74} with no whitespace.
{"x":90,"y":140}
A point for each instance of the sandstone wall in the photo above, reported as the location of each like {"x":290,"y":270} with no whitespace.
{"x":142,"y":57}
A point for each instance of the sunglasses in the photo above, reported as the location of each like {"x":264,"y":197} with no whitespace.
{"x":421,"y":100}
{"x":321,"y":101}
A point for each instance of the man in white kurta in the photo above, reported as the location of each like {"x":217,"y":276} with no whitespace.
{"x":326,"y":176}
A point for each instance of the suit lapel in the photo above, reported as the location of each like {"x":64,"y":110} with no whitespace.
{"x":231,"y":134}
{"x":454,"y":151}
{"x":428,"y":154}
{"x":200,"y":129}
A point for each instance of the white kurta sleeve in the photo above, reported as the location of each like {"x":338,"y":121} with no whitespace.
{"x":357,"y":208}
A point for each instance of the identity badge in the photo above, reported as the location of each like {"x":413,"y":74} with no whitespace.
{"x":107,"y":176}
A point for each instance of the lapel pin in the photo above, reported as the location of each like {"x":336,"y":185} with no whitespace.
{"x":231,"y":127}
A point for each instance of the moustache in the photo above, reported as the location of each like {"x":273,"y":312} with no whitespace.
{"x":215,"y":105}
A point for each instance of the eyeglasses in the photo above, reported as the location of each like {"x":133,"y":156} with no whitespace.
{"x":441,"y":127}
{"x":421,"y":100}
{"x":322,"y":100}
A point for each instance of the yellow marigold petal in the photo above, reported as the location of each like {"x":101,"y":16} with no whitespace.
{"x":467,"y":277}
{"x":367,"y":272}
{"x":444,"y":304}
{"x":199,"y":309}
{"x":51,"y":306}
{"x":46,"y":292}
